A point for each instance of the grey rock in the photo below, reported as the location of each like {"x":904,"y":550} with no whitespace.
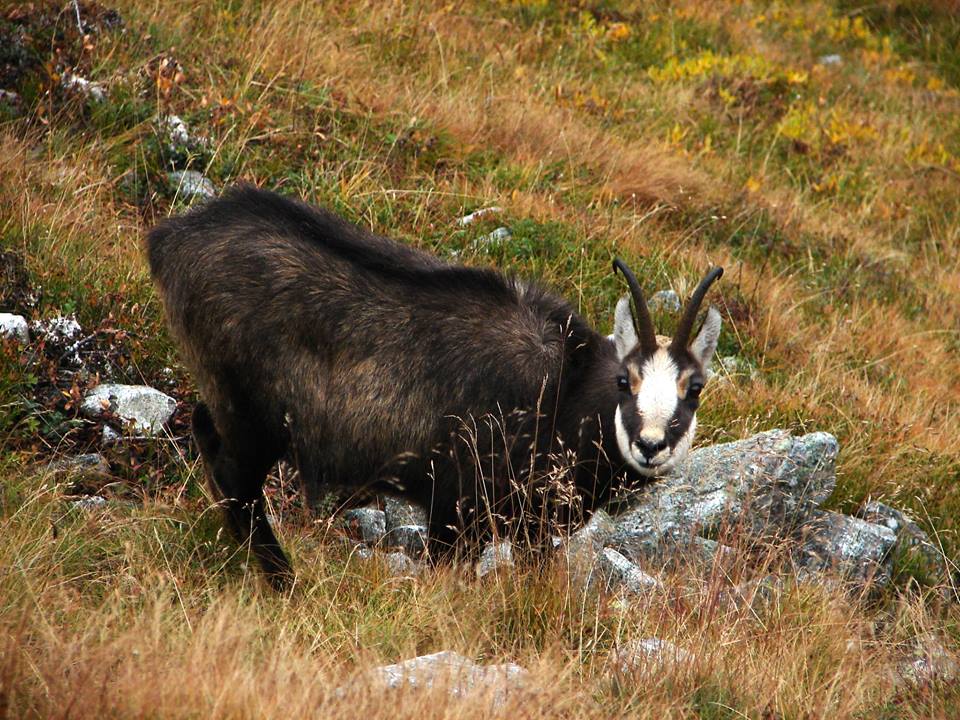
{"x":732,"y":367}
{"x":477,"y":214}
{"x":913,"y":544}
{"x":590,"y":538}
{"x":495,"y":557}
{"x":399,"y":564}
{"x":664,"y":301}
{"x":146,"y":408}
{"x":648,"y":653}
{"x":930,"y":663}
{"x":501,"y":234}
{"x":412,"y":539}
{"x":615,"y":573}
{"x":831,"y":59}
{"x":92,"y":90}
{"x":767,"y":484}
{"x":463,"y":678}
{"x":178,"y":135}
{"x":9,"y":96}
{"x":847,"y":546}
{"x":368,"y":523}
{"x":191,"y":184}
{"x":62,"y":335}
{"x":400,"y":512}
{"x":108,"y":436}
{"x":91,"y":502}
{"x":14,"y":326}
{"x":752,"y":593}
{"x":362,"y":552}
{"x":89,"y":466}
{"x":60,"y":330}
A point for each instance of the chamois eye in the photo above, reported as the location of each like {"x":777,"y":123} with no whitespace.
{"x":694,"y":390}
{"x":623,"y":383}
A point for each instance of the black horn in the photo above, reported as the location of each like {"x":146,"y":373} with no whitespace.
{"x":645,"y":330}
{"x":682,"y":336}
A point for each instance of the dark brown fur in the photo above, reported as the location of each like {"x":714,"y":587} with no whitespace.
{"x":379,"y":367}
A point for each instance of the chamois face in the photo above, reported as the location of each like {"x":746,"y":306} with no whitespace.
{"x":656,"y":416}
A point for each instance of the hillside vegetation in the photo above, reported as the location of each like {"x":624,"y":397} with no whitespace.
{"x":812,"y":149}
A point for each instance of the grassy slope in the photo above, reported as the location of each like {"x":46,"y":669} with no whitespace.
{"x":675,"y":135}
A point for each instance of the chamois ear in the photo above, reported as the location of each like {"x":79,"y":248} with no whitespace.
{"x":705,"y":344}
{"x":624,"y":334}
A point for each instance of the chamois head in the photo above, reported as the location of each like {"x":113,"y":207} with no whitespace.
{"x":660,"y":379}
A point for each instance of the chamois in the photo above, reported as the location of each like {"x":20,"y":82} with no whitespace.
{"x":380,"y":368}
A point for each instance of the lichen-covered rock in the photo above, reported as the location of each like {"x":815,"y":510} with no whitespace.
{"x":766,"y":484}
{"x":412,"y":539}
{"x":14,"y":326}
{"x":86,"y":88}
{"x":665,"y":301}
{"x":86,"y":467}
{"x":913,"y":545}
{"x":615,"y":573}
{"x":495,"y":557}
{"x":590,"y":538}
{"x":460,"y":676}
{"x":91,"y":502}
{"x":369,"y":524}
{"x":400,"y":512}
{"x":399,"y":564}
{"x":847,"y":546}
{"x":191,"y":184}
{"x":929,"y":663}
{"x":648,"y":653}
{"x":145,"y":408}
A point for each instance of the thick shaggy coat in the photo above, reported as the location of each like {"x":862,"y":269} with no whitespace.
{"x":381,"y":368}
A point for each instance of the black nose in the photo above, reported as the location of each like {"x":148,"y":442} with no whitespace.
{"x":649,"y":449}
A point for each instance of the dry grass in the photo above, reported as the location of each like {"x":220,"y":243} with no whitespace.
{"x":677,"y":134}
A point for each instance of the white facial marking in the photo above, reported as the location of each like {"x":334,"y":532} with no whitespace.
{"x":657,"y":399}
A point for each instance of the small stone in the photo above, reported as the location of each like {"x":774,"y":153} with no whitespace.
{"x":9,"y":97}
{"x":614,"y":573}
{"x":60,"y":330}
{"x":501,"y":234}
{"x":90,"y":466}
{"x":14,"y":326}
{"x":108,"y":436}
{"x":146,"y":408}
{"x":410,"y":538}
{"x":494,"y":557}
{"x":177,"y":132}
{"x":446,"y":669}
{"x":477,"y":214}
{"x":650,"y":653}
{"x":368,"y":523}
{"x":91,"y":502}
{"x":191,"y":184}
{"x":831,"y":59}
{"x":664,"y":301}
{"x":93,"y":90}
{"x":398,"y":564}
